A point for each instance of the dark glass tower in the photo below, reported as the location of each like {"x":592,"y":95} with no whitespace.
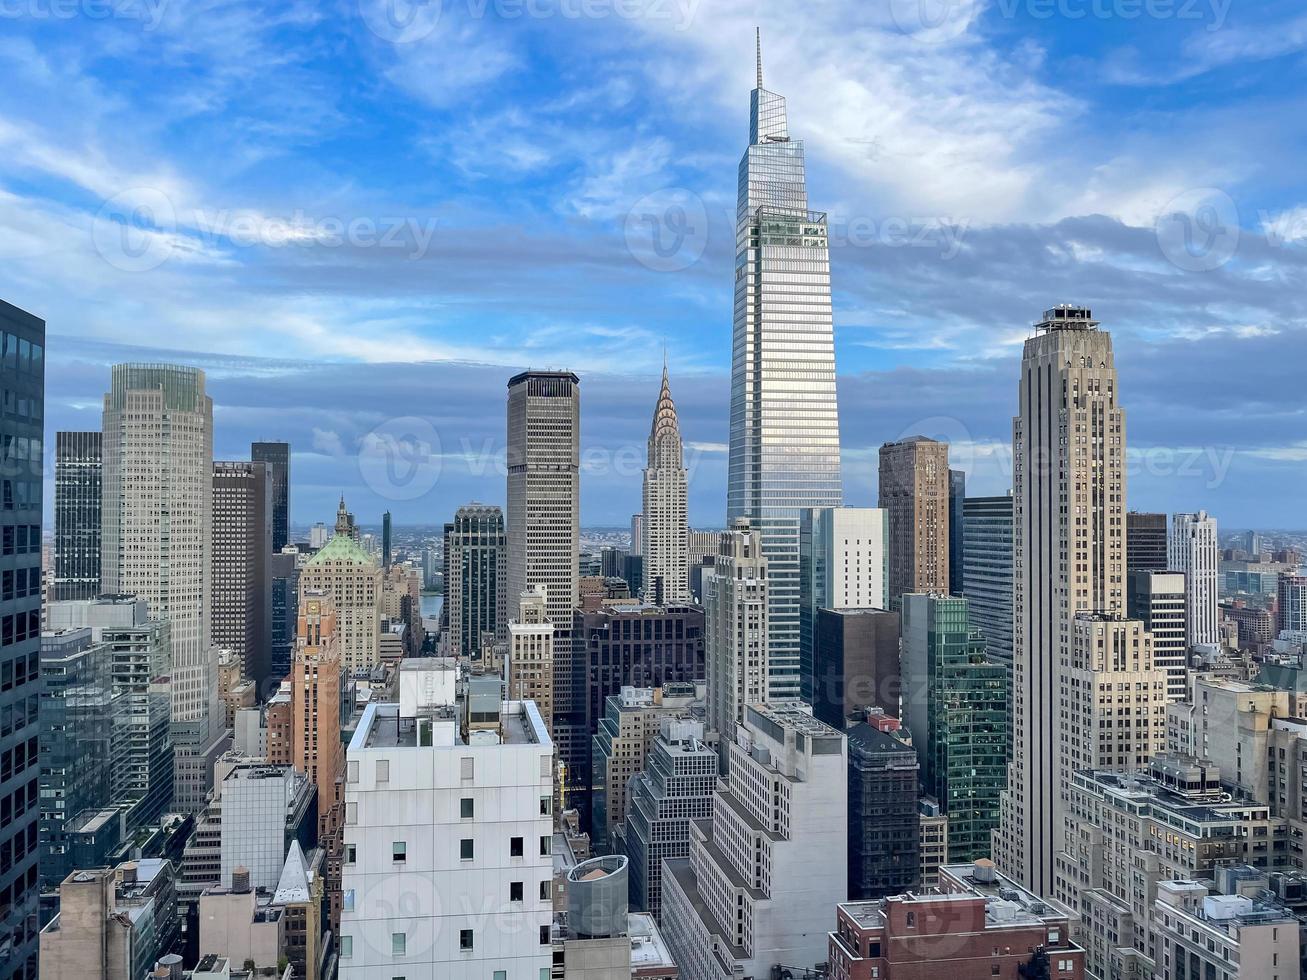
{"x":77,"y":470}
{"x":277,"y":456}
{"x":22,"y":380}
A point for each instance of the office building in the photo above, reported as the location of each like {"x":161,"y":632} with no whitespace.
{"x":544,"y":418}
{"x":1068,"y":444}
{"x":915,"y":493}
{"x":637,"y":526}
{"x":112,"y":924}
{"x":385,"y":540}
{"x":315,"y":699}
{"x":856,"y":664}
{"x":284,"y":587}
{"x":1255,"y":625}
{"x":140,"y":659}
{"x":957,"y":496}
{"x":1229,"y":936}
{"x":77,"y":469}
{"x":784,"y":453}
{"x":987,"y":572}
{"x":632,"y":719}
{"x":22,"y":378}
{"x":933,"y":824}
{"x":1159,"y":601}
{"x":1146,"y":542}
{"x":665,"y":578}
{"x":156,"y":542}
{"x":1194,"y":549}
{"x":955,"y":701}
{"x":277,"y":456}
{"x":299,"y":894}
{"x":884,"y":821}
{"x":453,"y":796}
{"x":264,"y":808}
{"x":531,"y":639}
{"x":674,"y":790}
{"x":842,"y":565}
{"x":766,"y":869}
{"x":735,"y":629}
{"x":628,"y":644}
{"x":475,"y":556}
{"x":979,"y":923}
{"x":242,"y":550}
{"x":352,"y":581}
{"x":1291,"y":603}
{"x":235,"y":924}
{"x":1127,"y":834}
{"x":82,"y":718}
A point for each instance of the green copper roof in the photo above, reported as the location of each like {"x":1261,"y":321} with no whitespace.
{"x":341,"y":547}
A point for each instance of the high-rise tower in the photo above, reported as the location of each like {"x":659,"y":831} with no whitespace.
{"x":241,"y":598}
{"x":77,"y":469}
{"x":1192,"y":547}
{"x":915,"y":484}
{"x":666,"y":576}
{"x":277,"y":456}
{"x":1068,"y":471}
{"x":785,"y":439}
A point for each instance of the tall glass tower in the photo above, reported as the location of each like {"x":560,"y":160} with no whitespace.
{"x":785,"y":437}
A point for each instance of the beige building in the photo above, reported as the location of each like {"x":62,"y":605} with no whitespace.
{"x":531,"y":654}
{"x":736,"y":613}
{"x":914,"y":493}
{"x":234,"y":690}
{"x":1113,"y":696}
{"x":233,"y":924}
{"x":1068,"y":507}
{"x":353,"y":581}
{"x":1233,"y":937}
{"x":666,"y":575}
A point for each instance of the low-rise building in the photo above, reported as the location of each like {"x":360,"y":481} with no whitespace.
{"x":1225,"y":937}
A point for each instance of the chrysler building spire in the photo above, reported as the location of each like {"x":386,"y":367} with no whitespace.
{"x":666,"y":575}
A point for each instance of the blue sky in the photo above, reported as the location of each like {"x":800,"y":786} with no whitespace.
{"x":363,"y":216}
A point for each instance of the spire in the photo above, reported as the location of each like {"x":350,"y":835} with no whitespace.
{"x":664,"y":420}
{"x":758,"y":38}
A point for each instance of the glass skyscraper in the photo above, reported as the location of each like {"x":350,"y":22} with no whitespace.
{"x":785,"y":440}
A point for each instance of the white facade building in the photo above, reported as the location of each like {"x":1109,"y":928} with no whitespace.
{"x":447,"y":865}
{"x":259,"y":802}
{"x":735,"y":629}
{"x":767,"y":868}
{"x":1192,"y":548}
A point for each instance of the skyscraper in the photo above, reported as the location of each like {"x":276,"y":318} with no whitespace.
{"x":77,"y":468}
{"x":157,"y":539}
{"x":735,"y":629}
{"x":1068,"y":471}
{"x":242,"y":551}
{"x":842,"y":565}
{"x":277,"y":456}
{"x":785,"y":438}
{"x":1192,"y":547}
{"x":664,"y":544}
{"x":352,"y":580}
{"x":957,"y":495}
{"x":1145,"y":542}
{"x":475,"y":558}
{"x":915,"y":493}
{"x":22,"y":379}
{"x":544,"y":530}
{"x":1157,"y":599}
{"x":1291,"y":603}
{"x":987,"y":571}
{"x":385,"y":540}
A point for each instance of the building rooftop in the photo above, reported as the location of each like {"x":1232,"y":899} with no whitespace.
{"x":1007,"y":903}
{"x":382,"y":726}
{"x":648,"y":949}
{"x":794,"y":715}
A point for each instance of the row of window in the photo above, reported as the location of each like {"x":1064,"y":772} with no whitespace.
{"x":466,"y":943}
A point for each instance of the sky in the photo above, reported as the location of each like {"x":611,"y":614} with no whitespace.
{"x":361,"y":217}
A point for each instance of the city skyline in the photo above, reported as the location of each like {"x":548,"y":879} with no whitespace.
{"x":579,"y":167}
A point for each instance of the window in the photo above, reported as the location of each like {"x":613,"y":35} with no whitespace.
{"x":383,"y":770}
{"x":515,"y":847}
{"x":351,"y":853}
{"x":398,"y":944}
{"x":466,"y":770}
{"x":399,"y":851}
{"x":544,"y":935}
{"x":352,"y":771}
{"x":545,"y":890}
{"x":911,"y":921}
{"x":465,"y":939}
{"x":1054,"y":936}
{"x":351,"y":813}
{"x":544,"y":973}
{"x":995,"y":970}
{"x":546,"y":806}
{"x":515,"y":891}
{"x":501,"y":975}
{"x":465,"y":849}
{"x":545,"y":841}
{"x":346,"y":947}
{"x":347,"y":899}
{"x":466,"y":808}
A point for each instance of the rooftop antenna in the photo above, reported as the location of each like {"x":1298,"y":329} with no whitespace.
{"x":758,"y":39}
